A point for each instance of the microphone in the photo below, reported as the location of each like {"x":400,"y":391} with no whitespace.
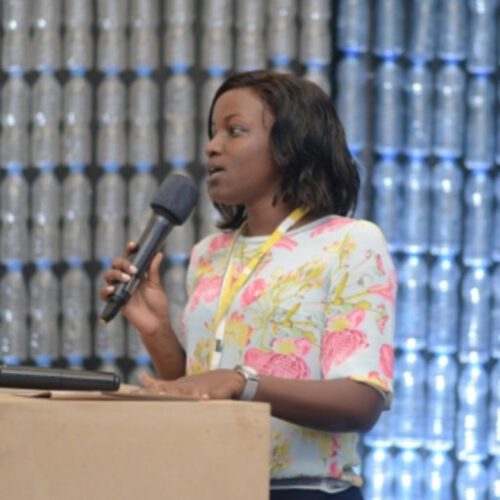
{"x":28,"y":377}
{"x":173,"y":202}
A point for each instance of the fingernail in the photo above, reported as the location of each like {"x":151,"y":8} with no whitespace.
{"x":125,"y":277}
{"x":132,"y":269}
{"x":110,"y":288}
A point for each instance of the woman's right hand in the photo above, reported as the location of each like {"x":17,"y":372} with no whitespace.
{"x":147,"y":308}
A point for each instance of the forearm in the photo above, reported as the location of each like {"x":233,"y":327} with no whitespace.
{"x":166,"y":353}
{"x":340,"y":405}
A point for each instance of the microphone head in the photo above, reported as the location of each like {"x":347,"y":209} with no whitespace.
{"x":175,"y":198}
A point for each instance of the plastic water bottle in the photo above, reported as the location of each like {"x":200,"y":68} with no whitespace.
{"x":143,"y":145}
{"x":315,"y":37}
{"x":77,"y":101}
{"x":250,"y":39}
{"x":410,"y":476}
{"x":109,"y":337}
{"x":388,"y":108}
{"x":45,"y":217}
{"x":480,"y":128}
{"x":143,"y":13}
{"x":494,"y":479}
{"x":15,"y":115}
{"x":449,"y":111}
{"x":111,"y":101}
{"x":13,"y":315}
{"x":409,"y":401}
{"x":111,"y":51}
{"x":78,"y":53}
{"x":138,"y":352}
{"x":76,"y":194}
{"x":111,"y":145}
{"x":389,"y":41}
{"x":472,"y":481}
{"x":481,"y":43}
{"x":75,"y":307}
{"x":282,"y":33}
{"x":387,"y":180}
{"x":141,"y":189}
{"x":175,"y":287}
{"x":378,"y":470}
{"x":363,"y":201}
{"x":418,"y":93}
{"x":421,"y":43}
{"x":416,"y":208}
{"x":320,"y":75}
{"x":442,"y":376}
{"x":439,"y":473}
{"x":353,"y":26}
{"x":216,"y":49}
{"x":46,"y":116}
{"x":351,"y":100}
{"x":76,"y":146}
{"x":444,"y":306}
{"x":412,"y":302}
{"x":78,"y":13}
{"x":478,"y":194}
{"x":16,"y":21}
{"x":110,"y":208}
{"x":497,"y":155}
{"x":143,"y":50}
{"x":143,"y":105}
{"x":495,"y":314}
{"x":446,"y":219}
{"x":494,"y":424}
{"x":112,"y":14}
{"x":472,"y":419}
{"x":179,"y":35}
{"x":496,"y":236}
{"x":475,"y":316}
{"x":14,"y":217}
{"x":44,"y":313}
{"x":46,"y":48}
{"x":452,"y":33}
{"x":179,"y":115}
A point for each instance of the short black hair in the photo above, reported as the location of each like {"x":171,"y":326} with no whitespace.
{"x":308,"y":144}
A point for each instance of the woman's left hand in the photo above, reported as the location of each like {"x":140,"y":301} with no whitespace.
{"x":215,"y":384}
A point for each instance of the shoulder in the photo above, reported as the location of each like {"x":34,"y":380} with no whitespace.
{"x":212,"y":244}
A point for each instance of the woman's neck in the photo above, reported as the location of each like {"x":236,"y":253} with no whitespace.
{"x":263,"y":220}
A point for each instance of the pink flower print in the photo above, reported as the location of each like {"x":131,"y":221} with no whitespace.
{"x":287,"y":243}
{"x":331,"y":226}
{"x":381,"y":322}
{"x":375,"y":376}
{"x":252,"y":292}
{"x":380,"y":264}
{"x":277,"y":365}
{"x":207,"y":291}
{"x":302,"y":347}
{"x":219,"y":241}
{"x":387,"y":290}
{"x":356,"y":317}
{"x":386,"y":359}
{"x":335,"y":472}
{"x":337,"y":347}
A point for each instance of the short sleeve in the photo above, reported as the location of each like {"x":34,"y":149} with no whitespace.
{"x":357,"y":339}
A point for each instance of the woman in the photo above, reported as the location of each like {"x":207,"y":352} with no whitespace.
{"x":293,"y":303}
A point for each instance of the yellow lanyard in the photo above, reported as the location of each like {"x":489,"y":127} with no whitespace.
{"x":229,"y":290}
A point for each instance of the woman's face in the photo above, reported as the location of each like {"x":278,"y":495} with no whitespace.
{"x":241,"y":169}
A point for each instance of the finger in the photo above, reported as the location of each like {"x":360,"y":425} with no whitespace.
{"x":123,"y":264}
{"x":154,"y":269}
{"x":116,"y":276}
{"x":106,"y":291}
{"x":147,"y":380}
{"x":131,"y":247}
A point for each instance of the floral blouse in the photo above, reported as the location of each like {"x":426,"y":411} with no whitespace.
{"x":320,"y":305}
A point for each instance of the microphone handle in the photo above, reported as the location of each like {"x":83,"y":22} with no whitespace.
{"x":27,"y":377}
{"x":149,"y":244}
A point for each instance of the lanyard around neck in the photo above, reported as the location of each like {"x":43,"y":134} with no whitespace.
{"x":230,"y":288}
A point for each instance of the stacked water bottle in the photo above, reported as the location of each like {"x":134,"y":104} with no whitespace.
{"x":351,"y":76}
{"x":282,"y":34}
{"x":478,"y":436}
{"x":216,"y":61}
{"x":14,"y":193}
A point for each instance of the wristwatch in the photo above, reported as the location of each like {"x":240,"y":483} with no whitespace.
{"x":251,"y":381}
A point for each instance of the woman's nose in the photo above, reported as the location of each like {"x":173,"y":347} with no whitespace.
{"x":212,"y":147}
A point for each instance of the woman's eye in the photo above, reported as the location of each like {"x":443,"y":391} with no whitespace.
{"x":235,"y":130}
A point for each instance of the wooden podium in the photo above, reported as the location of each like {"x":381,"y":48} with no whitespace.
{"x":100,"y":447}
